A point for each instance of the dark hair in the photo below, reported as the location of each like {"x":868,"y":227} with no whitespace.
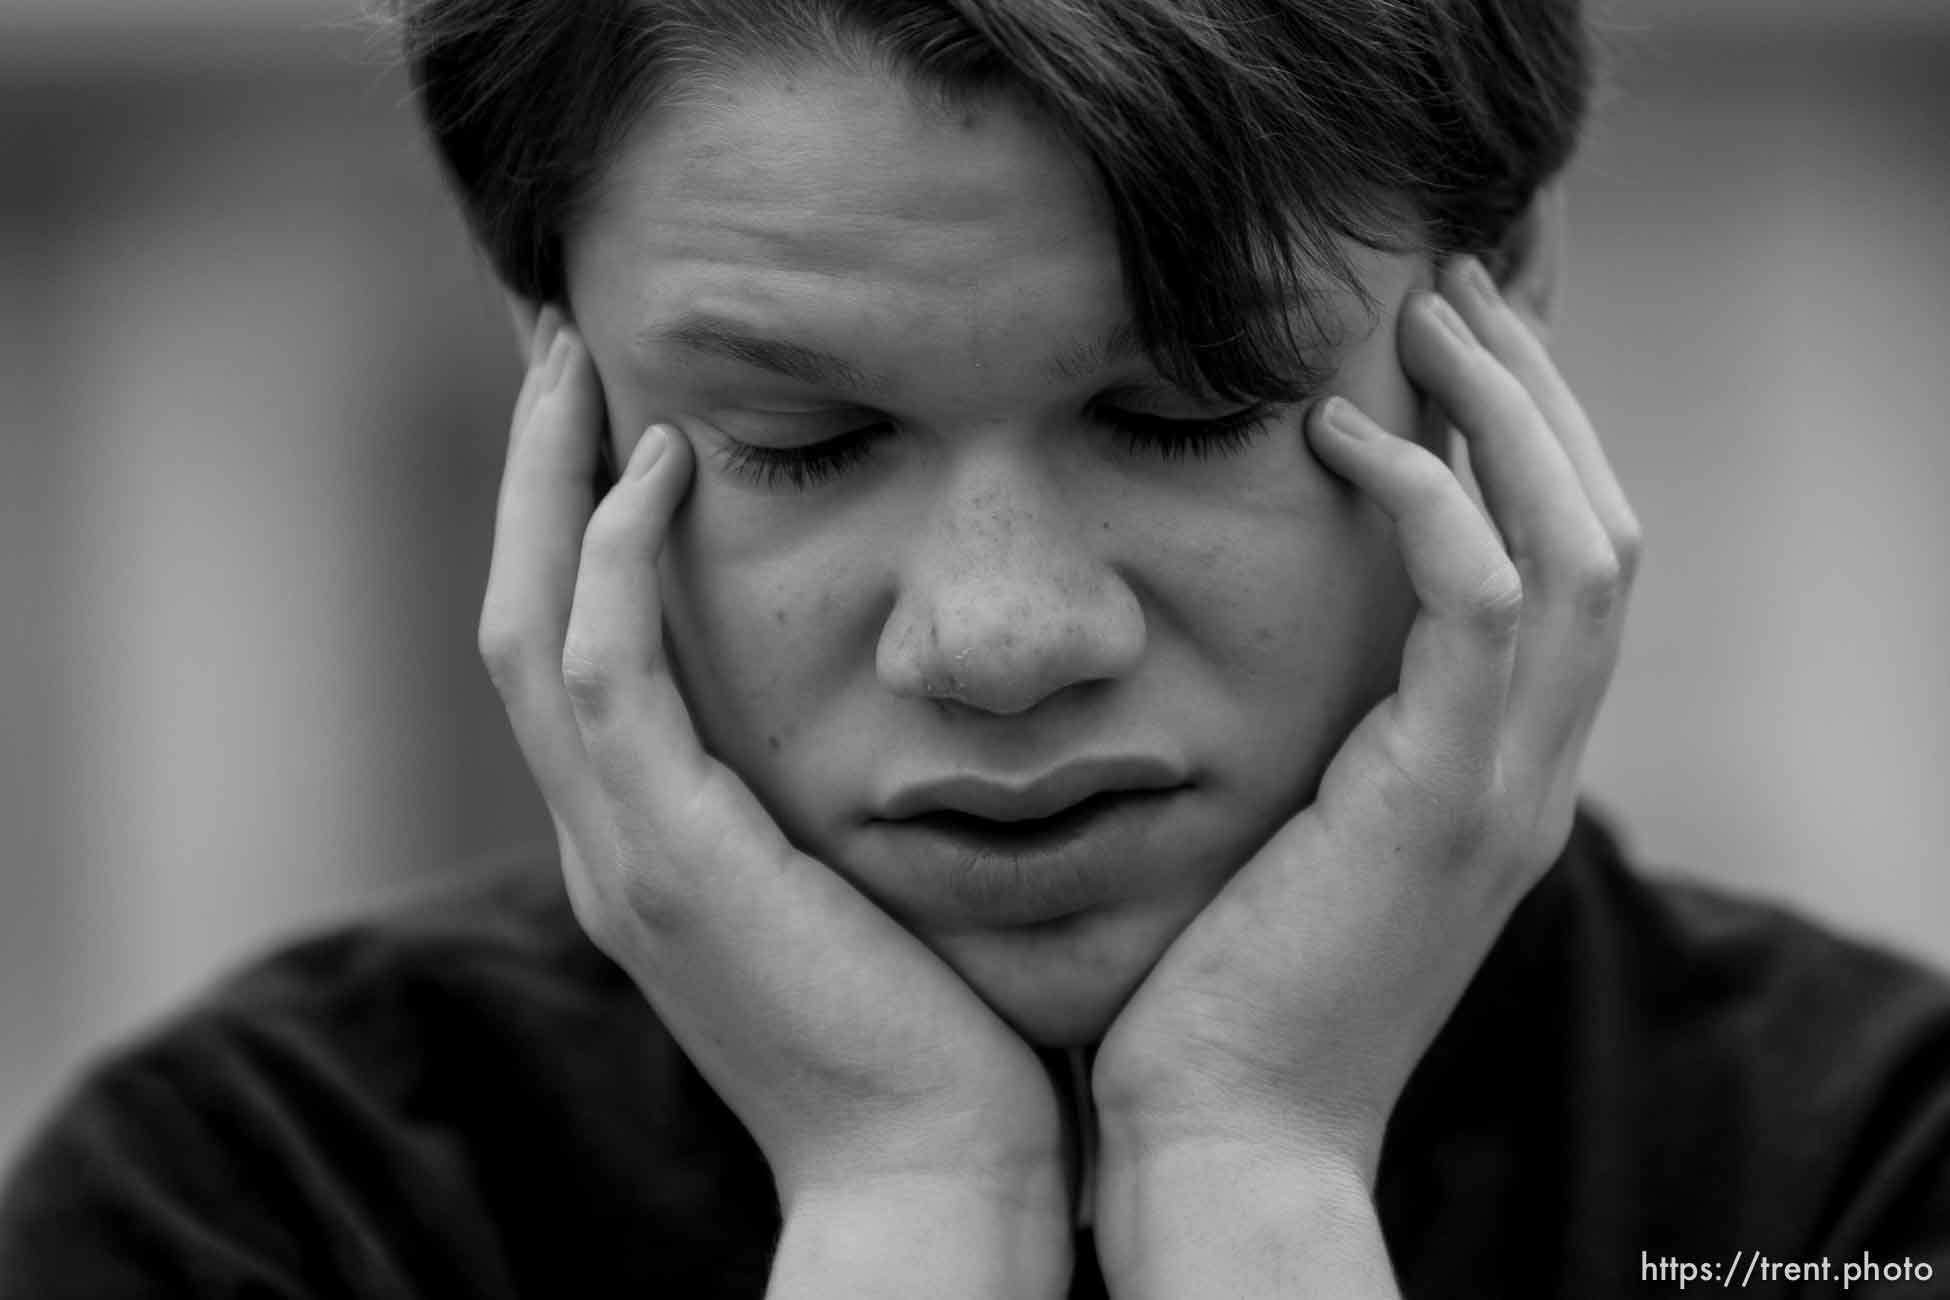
{"x":1239,"y":141}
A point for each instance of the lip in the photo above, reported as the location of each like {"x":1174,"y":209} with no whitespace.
{"x":1031,"y":872}
{"x":1003,"y":800}
{"x":1025,"y":853}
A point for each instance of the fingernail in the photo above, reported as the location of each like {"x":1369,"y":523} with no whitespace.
{"x":648,"y":451}
{"x":547,"y":322}
{"x":558,"y":354}
{"x":1477,"y":277}
{"x":1446,"y":316}
{"x":1346,"y":419}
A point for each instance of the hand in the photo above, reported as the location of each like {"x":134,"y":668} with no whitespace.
{"x":860,"y":1063}
{"x":1282,"y":1024}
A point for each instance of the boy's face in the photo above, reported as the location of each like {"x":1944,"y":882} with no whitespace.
{"x":1005,"y":584}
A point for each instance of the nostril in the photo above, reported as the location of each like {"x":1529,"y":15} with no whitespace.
{"x":1002,"y":649}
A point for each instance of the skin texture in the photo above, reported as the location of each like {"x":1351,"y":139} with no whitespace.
{"x":998,"y":582}
{"x":1003,"y":585}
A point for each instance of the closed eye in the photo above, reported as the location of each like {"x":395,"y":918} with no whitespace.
{"x":804,"y":467}
{"x":1225,"y":435}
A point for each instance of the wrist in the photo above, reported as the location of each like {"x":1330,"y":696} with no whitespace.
{"x":1178,"y":1130}
{"x":1187,"y":1222}
{"x":927,"y":1237}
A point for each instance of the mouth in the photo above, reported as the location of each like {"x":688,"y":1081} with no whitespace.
{"x":1033,"y":870}
{"x":1015,"y":835}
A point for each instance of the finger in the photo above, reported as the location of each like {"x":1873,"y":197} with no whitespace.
{"x":704,"y":900}
{"x":613,"y":661}
{"x":1504,"y":331}
{"x":1457,"y":662}
{"x":1528,"y":481}
{"x":540,"y":515}
{"x":548,"y":323}
{"x":700,"y":843}
{"x":1572,"y":579}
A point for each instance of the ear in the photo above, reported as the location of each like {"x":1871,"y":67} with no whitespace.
{"x":1530,"y":262}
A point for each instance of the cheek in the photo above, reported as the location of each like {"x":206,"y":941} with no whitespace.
{"x":759,"y":637}
{"x":1322,"y":579}
{"x":1291,"y":601}
{"x":1313,"y":612}
{"x":1282,"y":562}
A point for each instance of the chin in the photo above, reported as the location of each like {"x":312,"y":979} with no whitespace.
{"x":1060,"y":1025}
{"x":1060,"y":983}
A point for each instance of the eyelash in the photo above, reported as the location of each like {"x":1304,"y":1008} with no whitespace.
{"x":803,"y":467}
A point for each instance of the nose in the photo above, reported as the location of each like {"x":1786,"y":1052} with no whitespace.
{"x":1001,"y":602}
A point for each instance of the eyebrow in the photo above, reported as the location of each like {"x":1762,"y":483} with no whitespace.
{"x":719,"y":337}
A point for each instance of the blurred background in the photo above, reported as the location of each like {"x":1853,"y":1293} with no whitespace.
{"x":256,"y":389}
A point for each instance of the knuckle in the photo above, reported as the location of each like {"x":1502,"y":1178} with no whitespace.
{"x":588,"y":678}
{"x":507,"y":655}
{"x":1434,"y":787}
{"x":1594,"y":585}
{"x":1628,"y":544}
{"x":628,"y":907}
{"x":593,"y":911}
{"x":657,"y":907}
{"x":1495,"y":608}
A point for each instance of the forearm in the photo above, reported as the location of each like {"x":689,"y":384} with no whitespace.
{"x":1193,"y":1227}
{"x":942,"y":1244}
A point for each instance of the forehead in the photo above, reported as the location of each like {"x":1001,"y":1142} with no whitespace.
{"x":971,"y":245}
{"x":848,"y":183}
